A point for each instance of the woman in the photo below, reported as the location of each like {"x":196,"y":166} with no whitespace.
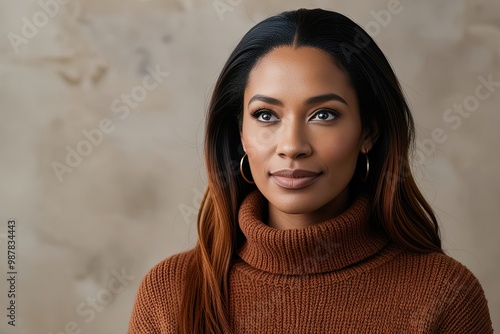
{"x":312,"y":221}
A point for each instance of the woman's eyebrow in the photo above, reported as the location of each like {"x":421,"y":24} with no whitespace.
{"x":326,"y":97}
{"x":267,"y":99}
{"x":310,"y":100}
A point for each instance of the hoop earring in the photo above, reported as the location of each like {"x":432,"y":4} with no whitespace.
{"x":241,"y":170}
{"x":367,"y":167}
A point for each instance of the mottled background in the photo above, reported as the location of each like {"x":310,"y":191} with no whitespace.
{"x":130,"y":201}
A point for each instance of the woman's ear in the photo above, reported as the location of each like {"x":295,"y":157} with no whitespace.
{"x":370,"y":137}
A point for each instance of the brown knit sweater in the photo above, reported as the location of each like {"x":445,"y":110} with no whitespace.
{"x":333,"y":277}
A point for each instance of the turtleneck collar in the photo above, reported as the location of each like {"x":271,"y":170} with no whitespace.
{"x":328,"y":246}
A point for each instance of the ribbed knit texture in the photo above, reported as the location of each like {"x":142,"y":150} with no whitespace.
{"x":334,"y":277}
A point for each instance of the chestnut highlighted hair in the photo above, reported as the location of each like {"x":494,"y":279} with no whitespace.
{"x":397,"y":206}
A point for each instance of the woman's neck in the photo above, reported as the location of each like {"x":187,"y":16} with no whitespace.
{"x":282,"y":220}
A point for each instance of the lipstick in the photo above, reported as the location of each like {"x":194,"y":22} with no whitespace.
{"x":294,"y":179}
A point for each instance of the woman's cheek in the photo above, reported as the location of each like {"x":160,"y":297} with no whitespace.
{"x":264,"y":137}
{"x":342,"y":152}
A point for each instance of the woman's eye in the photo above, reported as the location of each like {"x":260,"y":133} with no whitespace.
{"x":324,"y":115}
{"x":264,"y":116}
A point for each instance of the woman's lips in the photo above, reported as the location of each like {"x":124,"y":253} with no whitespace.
{"x":294,"y":179}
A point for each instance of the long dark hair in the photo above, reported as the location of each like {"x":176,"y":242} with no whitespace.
{"x":398,"y":207}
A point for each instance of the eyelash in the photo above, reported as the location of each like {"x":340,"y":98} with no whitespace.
{"x":257,"y":113}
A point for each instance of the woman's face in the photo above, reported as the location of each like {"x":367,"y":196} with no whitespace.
{"x":302,"y":133}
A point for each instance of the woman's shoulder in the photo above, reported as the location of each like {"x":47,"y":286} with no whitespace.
{"x":172,"y":266}
{"x":446,"y":286}
{"x":159,"y":296}
{"x":437,"y":265}
{"x":169,"y":273}
{"x":435,"y":268}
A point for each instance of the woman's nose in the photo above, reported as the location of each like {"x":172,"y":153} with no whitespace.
{"x":293,"y":141}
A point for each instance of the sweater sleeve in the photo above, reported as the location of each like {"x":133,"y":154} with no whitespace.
{"x":466,"y":307}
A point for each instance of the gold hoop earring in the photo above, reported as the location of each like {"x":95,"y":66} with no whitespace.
{"x":241,"y":170}
{"x":367,"y":167}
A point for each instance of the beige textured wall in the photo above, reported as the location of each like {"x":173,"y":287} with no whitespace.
{"x":130,"y":201}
